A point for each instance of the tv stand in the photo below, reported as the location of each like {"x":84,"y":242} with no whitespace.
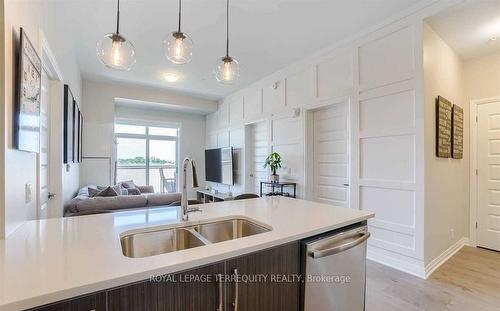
{"x":206,"y":196}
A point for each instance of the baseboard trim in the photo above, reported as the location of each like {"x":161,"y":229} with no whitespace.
{"x":407,"y":264}
{"x":447,"y":254}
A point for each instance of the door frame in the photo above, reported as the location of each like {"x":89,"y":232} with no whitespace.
{"x":474,"y":104}
{"x":249,"y":146}
{"x":309,"y":110}
{"x":56,"y":89}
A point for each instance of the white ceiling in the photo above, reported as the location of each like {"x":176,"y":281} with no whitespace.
{"x":468,"y":27}
{"x":266,"y":35}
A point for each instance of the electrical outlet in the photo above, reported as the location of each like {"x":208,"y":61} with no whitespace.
{"x":27,"y":193}
{"x":452,"y":232}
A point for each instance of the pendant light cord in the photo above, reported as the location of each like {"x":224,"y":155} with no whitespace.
{"x":227,"y":28}
{"x":118,"y":18}
{"x":180,"y":7}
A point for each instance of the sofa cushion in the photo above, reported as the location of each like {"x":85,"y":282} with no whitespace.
{"x":110,"y":203}
{"x":133,"y":191}
{"x":129,"y":184}
{"x":157,"y":199}
{"x":146,"y":189}
{"x":108,"y":192}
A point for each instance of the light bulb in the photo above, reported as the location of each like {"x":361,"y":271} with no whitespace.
{"x":178,"y":48}
{"x":227,"y":70}
{"x":116,"y":52}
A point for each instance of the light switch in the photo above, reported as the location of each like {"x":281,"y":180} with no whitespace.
{"x":27,"y":193}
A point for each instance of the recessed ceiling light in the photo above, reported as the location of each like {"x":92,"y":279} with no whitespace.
{"x":171,"y":77}
{"x":493,"y":39}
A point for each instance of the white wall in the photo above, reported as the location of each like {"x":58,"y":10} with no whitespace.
{"x":99,"y":116}
{"x":378,"y":74}
{"x":482,"y":77}
{"x":20,"y":168}
{"x":446,"y":180}
{"x":2,"y":126}
{"x":381,"y":74}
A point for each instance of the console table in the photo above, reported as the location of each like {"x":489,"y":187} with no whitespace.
{"x":207,"y":196}
{"x":278,"y":188}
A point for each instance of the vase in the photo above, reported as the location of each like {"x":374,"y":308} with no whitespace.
{"x":275,"y":178}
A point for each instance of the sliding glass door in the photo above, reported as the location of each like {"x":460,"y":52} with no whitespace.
{"x":148,"y":155}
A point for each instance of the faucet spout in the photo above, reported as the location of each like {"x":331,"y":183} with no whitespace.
{"x":184,"y":199}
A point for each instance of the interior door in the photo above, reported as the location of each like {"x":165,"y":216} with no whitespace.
{"x":259,"y":152}
{"x":43,"y":170}
{"x":331,"y":155}
{"x":488,"y":159}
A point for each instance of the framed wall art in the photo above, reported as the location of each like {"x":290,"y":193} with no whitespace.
{"x":443,"y":127}
{"x":68,"y":126}
{"x":28,"y":89}
{"x":457,"y":132}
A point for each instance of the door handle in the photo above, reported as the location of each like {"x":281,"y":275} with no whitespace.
{"x":221,"y":294}
{"x":347,"y":185}
{"x":340,"y":248}
{"x":236,"y":290}
{"x":51,"y":195}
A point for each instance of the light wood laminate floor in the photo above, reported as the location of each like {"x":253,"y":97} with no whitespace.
{"x":470,"y":280}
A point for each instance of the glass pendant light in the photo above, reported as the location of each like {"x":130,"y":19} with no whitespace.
{"x":178,"y":45}
{"x":114,"y":51}
{"x":227,"y":69}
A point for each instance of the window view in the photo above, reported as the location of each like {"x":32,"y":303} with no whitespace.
{"x":147,"y":155}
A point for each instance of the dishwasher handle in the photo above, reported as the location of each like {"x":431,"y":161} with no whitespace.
{"x":363,"y":236}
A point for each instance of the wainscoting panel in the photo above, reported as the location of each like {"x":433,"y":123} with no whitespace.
{"x":390,"y":158}
{"x":388,"y":59}
{"x":299,"y":88}
{"x":236,"y":111}
{"x":388,"y":144}
{"x":335,"y":76}
{"x":273,"y":97}
{"x":252,"y":104}
{"x":388,"y":112}
{"x":389,"y":205}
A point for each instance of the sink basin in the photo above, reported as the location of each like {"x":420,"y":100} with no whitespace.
{"x":152,"y":243}
{"x":229,"y":230}
{"x":160,"y":241}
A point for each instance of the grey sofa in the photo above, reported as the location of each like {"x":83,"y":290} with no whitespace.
{"x":83,"y":204}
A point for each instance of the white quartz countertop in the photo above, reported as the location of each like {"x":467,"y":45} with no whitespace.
{"x":50,"y":260}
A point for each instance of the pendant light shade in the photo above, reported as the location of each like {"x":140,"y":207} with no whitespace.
{"x":114,"y":50}
{"x":227,"y":70}
{"x":178,"y":45}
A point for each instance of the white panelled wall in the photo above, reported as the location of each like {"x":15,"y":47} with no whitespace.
{"x":380,"y":77}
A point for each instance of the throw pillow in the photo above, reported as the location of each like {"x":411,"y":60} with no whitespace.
{"x":94,"y":191}
{"x":108,"y":192}
{"x":129,"y":184}
{"x":133,"y":191}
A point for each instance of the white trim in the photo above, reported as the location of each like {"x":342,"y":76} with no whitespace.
{"x":396,"y":261}
{"x":49,"y":62}
{"x":473,"y":165}
{"x":447,"y":254}
{"x":308,"y":140}
{"x":55,"y":108}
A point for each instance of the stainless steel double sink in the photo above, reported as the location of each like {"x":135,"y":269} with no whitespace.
{"x":160,"y":241}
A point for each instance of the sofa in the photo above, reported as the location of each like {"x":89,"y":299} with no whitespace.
{"x":85,"y":204}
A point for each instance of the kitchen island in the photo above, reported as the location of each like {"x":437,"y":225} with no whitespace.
{"x":54,"y":260}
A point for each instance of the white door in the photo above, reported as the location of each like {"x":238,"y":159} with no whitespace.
{"x":488,"y":159}
{"x":331,"y":155}
{"x":43,"y":170}
{"x":258,"y":154}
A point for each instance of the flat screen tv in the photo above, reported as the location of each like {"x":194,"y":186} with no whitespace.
{"x":219,"y":165}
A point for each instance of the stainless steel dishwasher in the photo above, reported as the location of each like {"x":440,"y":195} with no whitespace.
{"x":334,"y":268}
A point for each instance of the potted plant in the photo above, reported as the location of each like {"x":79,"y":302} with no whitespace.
{"x":274,"y":162}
